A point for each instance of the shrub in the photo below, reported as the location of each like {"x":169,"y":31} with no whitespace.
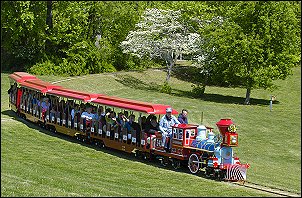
{"x":166,"y":88}
{"x":44,"y":68}
{"x":198,"y":90}
{"x":82,"y":58}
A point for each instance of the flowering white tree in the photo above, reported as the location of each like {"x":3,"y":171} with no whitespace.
{"x":160,"y":34}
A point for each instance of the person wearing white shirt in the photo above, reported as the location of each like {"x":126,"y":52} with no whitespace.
{"x":87,"y":114}
{"x":87,"y":117}
{"x":165,"y":125}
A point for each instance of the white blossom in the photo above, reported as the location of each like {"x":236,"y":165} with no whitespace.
{"x":160,"y":34}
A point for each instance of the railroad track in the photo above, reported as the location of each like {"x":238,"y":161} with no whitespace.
{"x":272,"y":191}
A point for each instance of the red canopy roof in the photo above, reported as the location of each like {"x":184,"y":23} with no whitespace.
{"x":39,"y":85}
{"x":77,"y":95}
{"x":32,"y":82}
{"x":21,"y":76}
{"x":132,"y":105}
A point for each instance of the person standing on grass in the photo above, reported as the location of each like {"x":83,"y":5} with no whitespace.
{"x":183,"y":117}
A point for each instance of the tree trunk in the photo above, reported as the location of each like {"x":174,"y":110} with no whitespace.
{"x":247,"y":96}
{"x":49,"y":15}
{"x":169,"y":70}
{"x":50,"y":26}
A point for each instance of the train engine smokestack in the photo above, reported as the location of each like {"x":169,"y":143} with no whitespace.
{"x":227,"y":130}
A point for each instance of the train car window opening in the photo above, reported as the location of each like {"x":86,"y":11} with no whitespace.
{"x":192,"y":132}
{"x":175,"y":133}
{"x":180,"y":136}
{"x":187,"y":134}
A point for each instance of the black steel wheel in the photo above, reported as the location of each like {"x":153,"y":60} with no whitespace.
{"x":176,"y":164}
{"x":193,"y":163}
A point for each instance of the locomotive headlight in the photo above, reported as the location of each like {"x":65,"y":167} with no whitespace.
{"x":233,"y":139}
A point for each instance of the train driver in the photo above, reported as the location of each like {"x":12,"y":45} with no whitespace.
{"x":165,"y":125}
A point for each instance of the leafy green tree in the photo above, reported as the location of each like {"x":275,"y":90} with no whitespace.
{"x":116,"y":19}
{"x":22,"y":32}
{"x":252,"y":44}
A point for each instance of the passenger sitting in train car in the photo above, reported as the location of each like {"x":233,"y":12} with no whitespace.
{"x":95,"y":114}
{"x":78,"y":115}
{"x":183,"y":116}
{"x":126,"y":114}
{"x":45,"y":107}
{"x":29,"y":99}
{"x":131,"y":124}
{"x":152,"y":126}
{"x":61,"y":108}
{"x":121,"y":119}
{"x":38,"y":100}
{"x":67,"y":110}
{"x":53,"y":113}
{"x":111,"y":119}
{"x":34,"y":103}
{"x":24,"y":98}
{"x":142,"y":121}
{"x":82,"y":108}
{"x":102,"y":115}
{"x":88,"y":113}
{"x":73,"y":113}
{"x":111,"y":122}
{"x":87,"y":116}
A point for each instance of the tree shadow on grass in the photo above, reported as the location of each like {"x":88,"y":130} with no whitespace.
{"x":186,"y":73}
{"x":136,"y":83}
{"x":218,"y":98}
{"x":107,"y":150}
{"x":132,"y":82}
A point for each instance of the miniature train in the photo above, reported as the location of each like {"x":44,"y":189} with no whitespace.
{"x":195,"y":146}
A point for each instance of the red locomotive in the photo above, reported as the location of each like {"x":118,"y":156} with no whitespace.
{"x":195,"y":146}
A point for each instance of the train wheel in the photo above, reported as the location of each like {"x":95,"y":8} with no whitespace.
{"x":219,"y":175}
{"x":101,"y":144}
{"x":146,"y":156}
{"x":164,"y":161}
{"x":176,"y":164}
{"x":208,"y":172}
{"x":193,"y":163}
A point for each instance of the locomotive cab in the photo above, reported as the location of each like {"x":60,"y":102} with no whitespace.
{"x":182,"y":135}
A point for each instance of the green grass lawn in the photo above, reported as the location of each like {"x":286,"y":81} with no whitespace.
{"x":35,"y":162}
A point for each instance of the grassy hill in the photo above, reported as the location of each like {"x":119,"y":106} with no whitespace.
{"x":35,"y":162}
